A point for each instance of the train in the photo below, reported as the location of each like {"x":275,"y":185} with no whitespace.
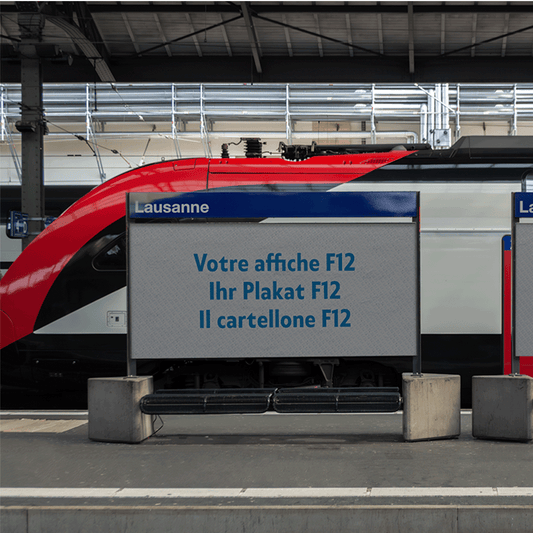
{"x":63,"y":300}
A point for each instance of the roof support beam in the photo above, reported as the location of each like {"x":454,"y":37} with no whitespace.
{"x":487,"y":41}
{"x":76,"y":20}
{"x":130,"y":32}
{"x":505,"y":30}
{"x":411,"y":30}
{"x":88,"y":26}
{"x":85,"y":36}
{"x":349,"y":32}
{"x":474,"y":30}
{"x":162,"y":34}
{"x":442,"y":33}
{"x":86,"y":46}
{"x":252,"y":36}
{"x":79,"y":15}
{"x":225,"y":35}
{"x":310,"y":7}
{"x":380,"y":34}
{"x":194,"y":38}
{"x":287,"y":35}
{"x":223,"y":23}
{"x":324,"y":37}
{"x":320,"y":49}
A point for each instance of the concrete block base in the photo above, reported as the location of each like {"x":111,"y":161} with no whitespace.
{"x":502,"y":408}
{"x":114,"y":411}
{"x":431,"y":406}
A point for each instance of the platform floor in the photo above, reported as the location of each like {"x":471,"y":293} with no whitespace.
{"x":259,"y":461}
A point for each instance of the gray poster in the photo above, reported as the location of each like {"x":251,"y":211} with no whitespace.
{"x":523,"y":291}
{"x":238,"y":290}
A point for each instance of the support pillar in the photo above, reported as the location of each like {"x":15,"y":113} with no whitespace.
{"x":32,"y":125}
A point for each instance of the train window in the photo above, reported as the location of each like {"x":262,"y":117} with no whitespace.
{"x":113,"y":256}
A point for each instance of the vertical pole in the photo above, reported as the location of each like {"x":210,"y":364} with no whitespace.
{"x":90,"y":134}
{"x":6,"y":134}
{"x":431,"y":118}
{"x":174,"y":126}
{"x":446,"y":115}
{"x":288,"y":121}
{"x":458,"y":114}
{"x":515,"y":361}
{"x":3,"y":118}
{"x":372,"y":116}
{"x":438,"y":109}
{"x":31,"y":125}
{"x":203,"y":124}
{"x":417,"y":360}
{"x":514,"y":125}
{"x":131,"y":364}
{"x":424,"y":123}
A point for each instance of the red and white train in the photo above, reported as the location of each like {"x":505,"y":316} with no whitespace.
{"x":63,"y":301}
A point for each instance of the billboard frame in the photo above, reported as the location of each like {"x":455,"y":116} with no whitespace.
{"x":369,"y":208}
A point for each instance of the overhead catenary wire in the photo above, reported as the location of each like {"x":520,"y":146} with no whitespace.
{"x":82,"y":138}
{"x":114,"y":87}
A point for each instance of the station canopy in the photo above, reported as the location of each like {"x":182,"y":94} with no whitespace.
{"x":272,"y":42}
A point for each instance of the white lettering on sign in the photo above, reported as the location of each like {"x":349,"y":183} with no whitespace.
{"x":171,"y":208}
{"x":525,"y":210}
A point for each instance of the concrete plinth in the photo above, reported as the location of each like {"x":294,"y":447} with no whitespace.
{"x":502,"y":408}
{"x":114,"y":411}
{"x":431,"y":406}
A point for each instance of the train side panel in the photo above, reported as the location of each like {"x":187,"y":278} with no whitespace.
{"x":64,"y":297}
{"x":462,"y":228}
{"x":64,"y":305}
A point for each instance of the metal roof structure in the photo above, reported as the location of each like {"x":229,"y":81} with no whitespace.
{"x":273,"y":42}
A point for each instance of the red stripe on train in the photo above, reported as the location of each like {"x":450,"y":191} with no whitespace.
{"x":27,"y":282}
{"x":507,"y":310}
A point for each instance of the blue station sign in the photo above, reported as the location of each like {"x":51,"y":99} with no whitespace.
{"x":523,"y":205}
{"x":17,"y":225}
{"x":272,"y":204}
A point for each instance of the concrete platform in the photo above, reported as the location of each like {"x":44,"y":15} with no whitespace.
{"x":261,"y":473}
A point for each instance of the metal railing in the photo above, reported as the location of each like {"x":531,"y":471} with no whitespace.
{"x":433,"y":113}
